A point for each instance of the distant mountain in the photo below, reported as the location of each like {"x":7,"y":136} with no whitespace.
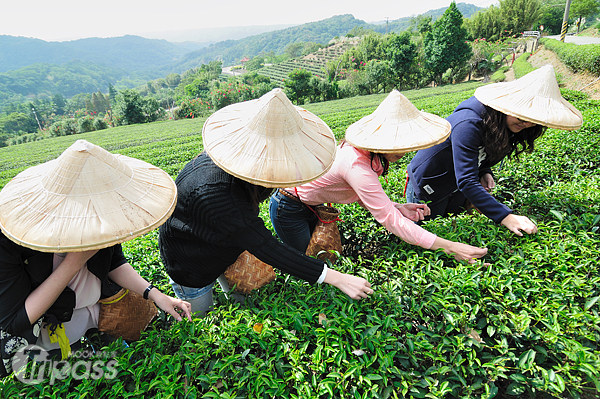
{"x":203,"y":37}
{"x":401,"y":24}
{"x":231,"y":51}
{"x":131,"y":53}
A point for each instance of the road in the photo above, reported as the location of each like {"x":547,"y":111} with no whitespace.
{"x":577,"y":39}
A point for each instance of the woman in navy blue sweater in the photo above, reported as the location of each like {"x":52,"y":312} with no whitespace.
{"x":502,"y":119}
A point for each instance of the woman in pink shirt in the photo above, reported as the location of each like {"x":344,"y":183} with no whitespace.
{"x":395,"y":128}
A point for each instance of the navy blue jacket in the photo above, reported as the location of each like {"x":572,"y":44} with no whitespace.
{"x":458,"y":163}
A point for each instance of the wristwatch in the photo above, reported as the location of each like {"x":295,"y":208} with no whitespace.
{"x":147,"y":291}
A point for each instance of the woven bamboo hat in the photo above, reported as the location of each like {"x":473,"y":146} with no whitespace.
{"x":269,"y":141}
{"x":534,"y":97}
{"x":397,"y":126}
{"x":85,"y":199}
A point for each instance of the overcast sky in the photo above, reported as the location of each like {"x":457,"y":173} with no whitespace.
{"x":60,"y":20}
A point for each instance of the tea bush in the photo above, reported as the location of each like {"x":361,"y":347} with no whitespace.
{"x":522,"y":323}
{"x":577,"y":58}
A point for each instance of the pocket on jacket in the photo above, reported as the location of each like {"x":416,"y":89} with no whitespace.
{"x":435,"y":187}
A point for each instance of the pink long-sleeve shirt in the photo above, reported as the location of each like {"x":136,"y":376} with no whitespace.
{"x":351,"y":179}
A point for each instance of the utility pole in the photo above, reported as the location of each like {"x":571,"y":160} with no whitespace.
{"x":36,"y":118}
{"x":386,"y":25}
{"x":563,"y":32}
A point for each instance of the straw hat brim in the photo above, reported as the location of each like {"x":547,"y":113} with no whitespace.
{"x":82,"y":201}
{"x":535,"y":98}
{"x":269,"y":142}
{"x":397,"y":126}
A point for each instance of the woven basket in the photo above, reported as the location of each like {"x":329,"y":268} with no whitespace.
{"x":126,"y":314}
{"x":248,"y":273}
{"x":326,"y":236}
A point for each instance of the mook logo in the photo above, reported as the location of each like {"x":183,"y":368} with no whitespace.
{"x":43,"y":367}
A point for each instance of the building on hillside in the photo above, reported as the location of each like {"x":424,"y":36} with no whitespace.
{"x":244,"y":60}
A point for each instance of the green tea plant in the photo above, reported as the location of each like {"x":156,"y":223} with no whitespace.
{"x":521,"y":323}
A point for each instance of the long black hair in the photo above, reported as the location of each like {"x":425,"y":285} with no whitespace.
{"x":500,"y":142}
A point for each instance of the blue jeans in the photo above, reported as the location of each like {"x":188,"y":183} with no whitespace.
{"x":201,"y":299}
{"x":292,"y":220}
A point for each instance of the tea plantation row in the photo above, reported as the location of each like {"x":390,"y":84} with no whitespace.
{"x":526,"y":325}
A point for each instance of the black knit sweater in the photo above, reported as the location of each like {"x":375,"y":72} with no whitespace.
{"x":213,"y":223}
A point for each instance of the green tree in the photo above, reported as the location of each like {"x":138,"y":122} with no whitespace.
{"x":298,"y":85}
{"x":552,"y":16}
{"x":99,"y":103}
{"x":581,"y":9}
{"x":420,"y":24}
{"x":173,"y":79}
{"x":112,"y":92}
{"x":520,"y":15}
{"x":17,"y":122}
{"x":132,"y":108}
{"x":294,"y":50}
{"x":78,"y":102}
{"x":400,"y":53}
{"x":445,"y":46}
{"x":485,"y":24}
{"x":60,"y":104}
{"x":255,"y":63}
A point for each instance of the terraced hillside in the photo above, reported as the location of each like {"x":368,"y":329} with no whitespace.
{"x":314,"y":63}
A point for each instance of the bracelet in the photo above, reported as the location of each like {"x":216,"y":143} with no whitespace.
{"x":147,"y":291}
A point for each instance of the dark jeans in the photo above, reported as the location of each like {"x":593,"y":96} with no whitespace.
{"x":454,"y":203}
{"x":292,"y":220}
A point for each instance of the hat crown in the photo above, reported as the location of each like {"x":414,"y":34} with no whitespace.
{"x":397,"y":107}
{"x":276,"y":116}
{"x":397,"y":126}
{"x":76,"y":171}
{"x":532,"y":80}
{"x":269,"y":141}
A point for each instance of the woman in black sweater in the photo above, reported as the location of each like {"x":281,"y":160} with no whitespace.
{"x":251,"y":148}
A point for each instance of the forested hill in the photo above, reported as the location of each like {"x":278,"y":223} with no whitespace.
{"x":322,"y":32}
{"x":232,"y":50}
{"x":131,"y":53}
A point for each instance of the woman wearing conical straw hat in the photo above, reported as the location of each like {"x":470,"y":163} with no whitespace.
{"x":62,"y":224}
{"x":500,"y":120}
{"x":250,"y":148}
{"x":371,"y":144}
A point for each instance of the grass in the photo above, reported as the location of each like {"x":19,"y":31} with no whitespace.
{"x":526,"y":325}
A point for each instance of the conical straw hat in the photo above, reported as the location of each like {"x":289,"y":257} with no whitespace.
{"x":269,"y":141}
{"x":397,"y":126}
{"x":534,"y":97}
{"x":85,"y":199}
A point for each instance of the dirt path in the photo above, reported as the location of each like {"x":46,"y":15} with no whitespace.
{"x":584,"y":82}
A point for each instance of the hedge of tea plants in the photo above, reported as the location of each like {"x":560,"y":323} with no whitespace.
{"x":522,"y":323}
{"x":577,"y":58}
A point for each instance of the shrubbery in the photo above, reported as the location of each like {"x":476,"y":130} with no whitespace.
{"x":577,"y":57}
{"x":521,"y":67}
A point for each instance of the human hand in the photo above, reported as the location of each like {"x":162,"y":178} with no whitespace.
{"x":354,"y":287}
{"x":414,"y":212}
{"x":459,"y":250}
{"x":173,"y":306}
{"x":487,"y":181}
{"x":516,"y":223}
{"x":466,"y":252}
